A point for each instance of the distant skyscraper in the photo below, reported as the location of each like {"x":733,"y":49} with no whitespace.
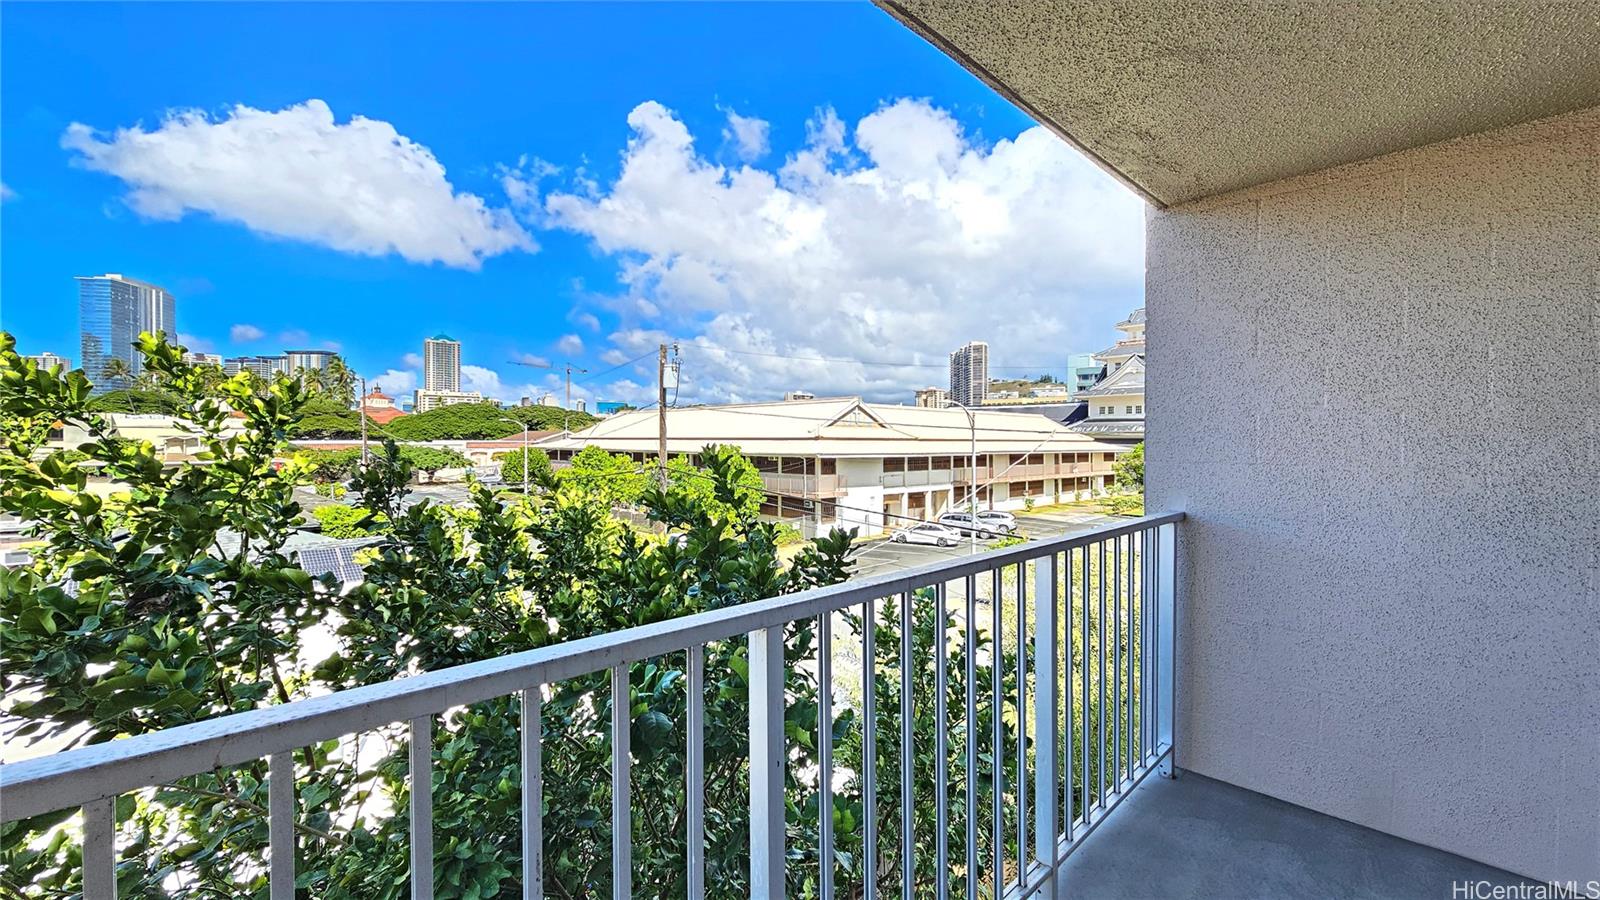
{"x":441,"y":364}
{"x":969,"y":374}
{"x":309,"y":360}
{"x":112,"y":311}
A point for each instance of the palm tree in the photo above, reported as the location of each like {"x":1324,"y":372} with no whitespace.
{"x":116,"y":369}
{"x":341,"y":382}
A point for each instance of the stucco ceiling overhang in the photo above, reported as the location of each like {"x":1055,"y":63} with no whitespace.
{"x":1186,"y":99}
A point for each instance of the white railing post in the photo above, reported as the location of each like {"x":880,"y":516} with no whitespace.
{"x":280,"y":824}
{"x":532,"y":793}
{"x":1044,"y":717}
{"x":100,"y":849}
{"x":1166,"y":643}
{"x":621,"y":784}
{"x":766,"y":764}
{"x":421,"y":758}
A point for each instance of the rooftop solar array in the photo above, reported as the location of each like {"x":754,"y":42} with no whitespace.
{"x":339,"y":559}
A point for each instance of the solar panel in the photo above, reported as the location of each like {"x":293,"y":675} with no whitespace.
{"x":337,"y":559}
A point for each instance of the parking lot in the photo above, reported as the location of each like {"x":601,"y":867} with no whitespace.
{"x":879,"y":555}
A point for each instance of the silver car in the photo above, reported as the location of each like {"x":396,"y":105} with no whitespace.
{"x":931,"y":533}
{"x":995,"y":520}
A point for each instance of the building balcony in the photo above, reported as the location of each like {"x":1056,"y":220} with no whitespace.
{"x":801,"y":485}
{"x":1074,"y":641}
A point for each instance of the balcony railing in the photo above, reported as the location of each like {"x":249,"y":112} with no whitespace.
{"x":1089,"y":620}
{"x":1031,"y":472}
{"x":801,"y":485}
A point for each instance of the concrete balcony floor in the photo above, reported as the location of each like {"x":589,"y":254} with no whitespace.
{"x":1196,"y":837}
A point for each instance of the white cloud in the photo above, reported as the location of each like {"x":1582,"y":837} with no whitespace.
{"x":412,"y":360}
{"x":357,"y":187}
{"x":245,"y":334}
{"x":613,"y":357}
{"x":6,"y":193}
{"x":294,"y":337}
{"x":748,"y":135}
{"x":534,"y":360}
{"x":396,"y":382}
{"x":195,"y":343}
{"x":489,"y":383}
{"x":335,"y":346}
{"x":897,"y":243}
{"x":585,"y":319}
{"x":570,"y":344}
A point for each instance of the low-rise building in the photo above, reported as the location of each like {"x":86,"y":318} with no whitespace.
{"x":425,"y":400}
{"x":1115,"y":404}
{"x":380,"y":407}
{"x":799,"y":395}
{"x":843,"y":462}
{"x":932,"y":398}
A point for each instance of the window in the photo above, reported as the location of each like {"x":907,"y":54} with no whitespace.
{"x":917,"y":464}
{"x":830,"y":467}
{"x":1139,"y":409}
{"x":1130,"y":410}
{"x":941,"y":463}
{"x":894,"y":464}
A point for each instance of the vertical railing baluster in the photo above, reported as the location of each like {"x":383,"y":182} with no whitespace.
{"x":825,"y":754}
{"x":422,"y":808}
{"x":621,"y":784}
{"x":1133,"y":566}
{"x":1144,"y":647}
{"x":1022,"y":726}
{"x":1068,"y":725}
{"x":100,"y":849}
{"x":941,"y":742}
{"x":1087,"y":799}
{"x":280,"y":825}
{"x":1100,"y":683}
{"x":971,"y":661}
{"x":997,"y":766}
{"x":766,"y":764}
{"x":1044,"y":716}
{"x":869,"y":750}
{"x":695,"y":773}
{"x":908,"y":869}
{"x":1116,"y":666}
{"x":532,"y":703}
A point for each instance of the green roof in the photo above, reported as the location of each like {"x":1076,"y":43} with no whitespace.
{"x":441,"y":337}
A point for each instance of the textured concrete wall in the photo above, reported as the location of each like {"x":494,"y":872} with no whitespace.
{"x":1376,"y":392}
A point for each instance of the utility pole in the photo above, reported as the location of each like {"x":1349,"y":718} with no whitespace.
{"x":661,"y":416}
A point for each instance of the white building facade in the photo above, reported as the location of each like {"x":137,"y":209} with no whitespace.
{"x":842,"y":462}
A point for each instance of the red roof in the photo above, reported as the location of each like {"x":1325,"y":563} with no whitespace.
{"x":383,"y":415}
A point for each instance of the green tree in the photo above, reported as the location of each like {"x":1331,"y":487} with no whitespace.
{"x":551,"y":418}
{"x":429,"y":460}
{"x":116,"y":370}
{"x":458,"y":422}
{"x":720,"y":468}
{"x":137,"y":400}
{"x":539,"y":471}
{"x":184,"y":605}
{"x":1129,"y":469}
{"x":340,"y":521}
{"x":613,"y":479}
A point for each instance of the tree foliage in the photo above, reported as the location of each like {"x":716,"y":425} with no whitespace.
{"x":539,"y":471}
{"x":551,"y":418}
{"x":340,"y":521}
{"x":137,"y":400}
{"x":458,"y":422}
{"x":172,"y":600}
{"x":1129,"y":469}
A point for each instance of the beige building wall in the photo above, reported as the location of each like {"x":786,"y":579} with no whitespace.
{"x":1376,"y":392}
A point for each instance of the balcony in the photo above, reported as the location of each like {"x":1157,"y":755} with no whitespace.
{"x":1052,"y":678}
{"x":802,"y":485}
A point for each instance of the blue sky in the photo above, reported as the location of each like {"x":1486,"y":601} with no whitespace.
{"x":775,"y":187}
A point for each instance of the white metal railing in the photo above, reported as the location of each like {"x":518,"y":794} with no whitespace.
{"x":1080,"y":770}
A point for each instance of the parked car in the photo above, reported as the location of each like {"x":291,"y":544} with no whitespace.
{"x":964,"y":525}
{"x":999,"y":521}
{"x":927,"y":533}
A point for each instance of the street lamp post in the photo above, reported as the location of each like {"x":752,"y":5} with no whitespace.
{"x":972,"y":475}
